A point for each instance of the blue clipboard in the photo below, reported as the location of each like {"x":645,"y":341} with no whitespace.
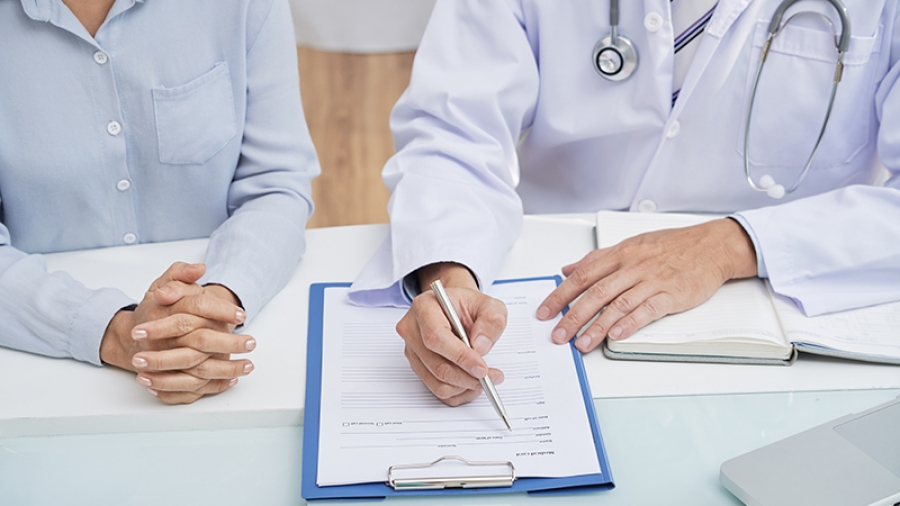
{"x":311,"y":491}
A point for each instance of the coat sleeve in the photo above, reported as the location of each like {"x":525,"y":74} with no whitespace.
{"x":471,"y":96}
{"x":841,"y":249}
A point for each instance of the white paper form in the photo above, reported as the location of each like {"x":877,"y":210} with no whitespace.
{"x":375,"y":412}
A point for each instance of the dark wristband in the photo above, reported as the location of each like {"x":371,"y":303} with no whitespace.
{"x":130,"y":307}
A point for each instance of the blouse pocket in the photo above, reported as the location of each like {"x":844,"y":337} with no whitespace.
{"x":194,"y":121}
{"x":793,"y":95}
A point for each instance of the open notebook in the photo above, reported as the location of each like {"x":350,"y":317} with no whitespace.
{"x":744,"y":321}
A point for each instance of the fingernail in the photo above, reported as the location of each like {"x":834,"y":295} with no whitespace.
{"x":559,"y":336}
{"x":166,"y":291}
{"x":233,"y":382}
{"x":250,"y":345}
{"x":145,"y":381}
{"x":138,"y":334}
{"x":240,"y":316}
{"x":139,"y":362}
{"x":248,"y":368}
{"x":482,"y":344}
{"x":154,"y":392}
{"x":500,"y":379}
{"x":583,"y":343}
{"x":615,"y":332}
{"x":478,"y":371}
{"x":543,"y":313}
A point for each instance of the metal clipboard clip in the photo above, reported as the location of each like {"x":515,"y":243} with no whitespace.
{"x":432,"y":483}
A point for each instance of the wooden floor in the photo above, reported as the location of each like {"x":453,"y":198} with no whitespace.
{"x":347,"y":99}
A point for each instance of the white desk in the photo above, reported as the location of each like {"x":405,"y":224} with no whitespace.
{"x":665,"y":427}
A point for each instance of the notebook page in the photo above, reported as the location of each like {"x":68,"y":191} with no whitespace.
{"x":377,"y":413}
{"x":738,"y":321}
{"x":871,"y":330}
{"x":739,"y":313}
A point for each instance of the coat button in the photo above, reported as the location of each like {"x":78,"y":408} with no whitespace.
{"x":647,"y":206}
{"x":673,"y":130}
{"x":653,"y":22}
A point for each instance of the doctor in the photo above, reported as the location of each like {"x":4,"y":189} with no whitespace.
{"x":508,"y":112}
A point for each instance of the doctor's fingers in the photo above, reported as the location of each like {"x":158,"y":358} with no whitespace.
{"x":453,"y":383}
{"x":633,"y":309}
{"x":595,"y":298}
{"x":211,"y":388}
{"x":490,"y":321}
{"x":580,"y":280}
{"x":593,"y":256}
{"x":427,"y":330}
{"x":449,"y":394}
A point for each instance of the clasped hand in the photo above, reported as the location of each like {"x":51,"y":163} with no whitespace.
{"x":179,"y":337}
{"x":633,"y":283}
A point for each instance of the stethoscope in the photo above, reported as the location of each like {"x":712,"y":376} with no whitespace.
{"x":616,"y":59}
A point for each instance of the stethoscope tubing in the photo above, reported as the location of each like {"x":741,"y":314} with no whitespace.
{"x":627,"y":57}
{"x":838,"y":74}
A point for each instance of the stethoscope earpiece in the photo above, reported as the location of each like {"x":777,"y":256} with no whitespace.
{"x":773,"y":189}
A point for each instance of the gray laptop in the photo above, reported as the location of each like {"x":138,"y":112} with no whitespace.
{"x":854,"y":460}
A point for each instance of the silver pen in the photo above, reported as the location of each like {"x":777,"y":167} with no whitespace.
{"x":438,"y":288}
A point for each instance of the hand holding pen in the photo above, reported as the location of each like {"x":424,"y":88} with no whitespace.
{"x":486,"y":384}
{"x":450,"y":369}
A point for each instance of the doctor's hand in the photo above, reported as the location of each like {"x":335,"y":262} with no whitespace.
{"x":179,"y":337}
{"x":449,"y":368}
{"x":647,"y":277}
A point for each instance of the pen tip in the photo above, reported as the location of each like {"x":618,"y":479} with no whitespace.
{"x":506,"y":421}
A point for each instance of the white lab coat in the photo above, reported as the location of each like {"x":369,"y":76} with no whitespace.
{"x":505,"y":113}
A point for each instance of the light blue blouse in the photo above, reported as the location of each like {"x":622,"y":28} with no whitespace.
{"x":177,"y":120}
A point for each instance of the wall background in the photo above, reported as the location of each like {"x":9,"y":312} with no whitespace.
{"x":360,"y":26}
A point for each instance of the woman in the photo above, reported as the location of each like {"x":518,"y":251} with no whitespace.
{"x":135,"y":121}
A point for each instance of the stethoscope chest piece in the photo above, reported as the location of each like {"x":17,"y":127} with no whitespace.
{"x":615,"y":59}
